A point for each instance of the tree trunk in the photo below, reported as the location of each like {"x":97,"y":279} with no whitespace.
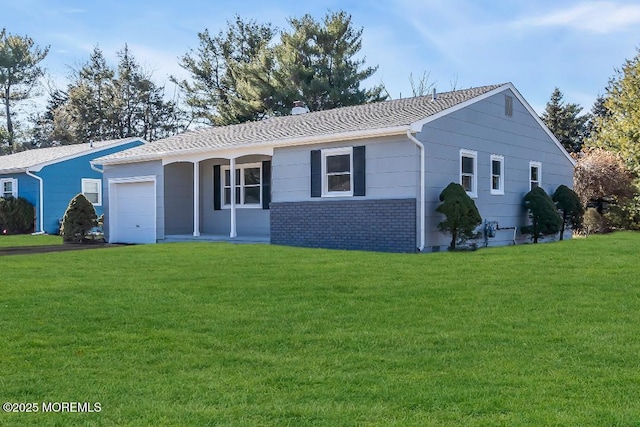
{"x":7,"y":92}
{"x":564,"y":221}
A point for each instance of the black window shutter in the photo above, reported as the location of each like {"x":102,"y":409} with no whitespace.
{"x":216,"y":188}
{"x":316,"y":173}
{"x":266,"y":184}
{"x":359,"y":169}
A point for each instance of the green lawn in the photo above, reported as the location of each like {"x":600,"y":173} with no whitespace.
{"x":7,"y":241}
{"x":221,"y":334}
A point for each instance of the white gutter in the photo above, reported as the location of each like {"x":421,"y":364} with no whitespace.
{"x":41,"y":214}
{"x":95,"y":168}
{"x":422,"y":188}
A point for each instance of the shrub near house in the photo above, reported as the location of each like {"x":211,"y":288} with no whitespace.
{"x":78,"y":220}
{"x":17,"y":215}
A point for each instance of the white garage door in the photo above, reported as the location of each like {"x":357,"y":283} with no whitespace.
{"x":133,"y":215}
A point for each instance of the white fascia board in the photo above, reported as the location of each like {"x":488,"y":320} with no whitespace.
{"x":38,"y":167}
{"x":256,"y":148}
{"x":13,"y":171}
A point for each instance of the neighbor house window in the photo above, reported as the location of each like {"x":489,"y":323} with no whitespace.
{"x":337,"y":177}
{"x":497,"y":174}
{"x":508,"y":106}
{"x":248,"y":191}
{"x":535,"y":175}
{"x":468,"y":175}
{"x":9,"y":187}
{"x":92,"y":190}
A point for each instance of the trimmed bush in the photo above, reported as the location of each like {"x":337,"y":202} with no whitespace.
{"x":462,"y":216}
{"x":570,"y":207}
{"x":593,"y":222}
{"x":79,"y":218}
{"x":17,"y":215}
{"x":544,"y":216}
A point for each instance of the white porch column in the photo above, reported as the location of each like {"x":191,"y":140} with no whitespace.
{"x":196,"y":199}
{"x":232,"y":174}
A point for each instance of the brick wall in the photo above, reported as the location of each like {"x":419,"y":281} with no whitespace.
{"x":387,"y":225}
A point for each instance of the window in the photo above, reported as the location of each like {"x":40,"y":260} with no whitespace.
{"x":337,"y":179}
{"x":248,"y":191}
{"x":9,"y":187}
{"x":535,"y":175}
{"x":497,"y":174}
{"x":508,"y":106}
{"x":92,"y":190}
{"x":468,"y":176}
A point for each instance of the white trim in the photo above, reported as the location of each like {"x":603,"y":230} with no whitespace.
{"x":241,"y":184}
{"x":14,"y":186}
{"x":329,"y":152}
{"x":232,"y":176}
{"x":474,"y":178}
{"x":92,"y":181}
{"x":422,"y":198}
{"x":113,"y":206}
{"x":497,"y":158}
{"x":196,"y":199}
{"x":40,"y":199}
{"x":538,"y":165}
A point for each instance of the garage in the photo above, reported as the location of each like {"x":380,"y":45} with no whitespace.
{"x":132,"y":210}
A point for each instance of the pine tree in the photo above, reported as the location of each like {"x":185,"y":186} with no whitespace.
{"x":19,"y":72}
{"x":461,"y":214}
{"x":570,"y":207}
{"x":619,"y":130}
{"x":543,"y":214}
{"x":564,"y":121}
{"x":79,"y":218}
{"x":316,"y":63}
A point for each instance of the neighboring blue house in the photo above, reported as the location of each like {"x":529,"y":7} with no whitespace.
{"x":362,"y":177}
{"x":50,"y":177}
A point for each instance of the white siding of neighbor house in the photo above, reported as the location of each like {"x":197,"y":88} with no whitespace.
{"x":153,"y":168}
{"x":483,"y":127}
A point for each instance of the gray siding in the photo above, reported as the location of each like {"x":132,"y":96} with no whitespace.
{"x":153,"y":168}
{"x":392,"y":170}
{"x":249,"y":221}
{"x":178,"y":197}
{"x":483,"y":127}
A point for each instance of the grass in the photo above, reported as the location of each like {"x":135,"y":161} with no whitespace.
{"x":221,"y":334}
{"x":16,"y":240}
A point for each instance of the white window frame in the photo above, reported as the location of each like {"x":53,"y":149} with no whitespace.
{"x":14,"y":186}
{"x":538,"y":165}
{"x":93,"y":181}
{"x":241,"y":167}
{"x":474,"y":178}
{"x":500,"y":190}
{"x":328,"y":152}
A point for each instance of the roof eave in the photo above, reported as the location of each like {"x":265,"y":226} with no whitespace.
{"x":323,"y":139}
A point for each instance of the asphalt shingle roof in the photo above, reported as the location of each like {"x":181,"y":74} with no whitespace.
{"x":367,"y":117}
{"x":31,"y":158}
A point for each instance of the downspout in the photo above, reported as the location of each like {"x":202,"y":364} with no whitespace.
{"x":41,"y":198}
{"x":422,"y":188}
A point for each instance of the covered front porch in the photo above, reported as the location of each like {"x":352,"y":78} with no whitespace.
{"x":205,"y":200}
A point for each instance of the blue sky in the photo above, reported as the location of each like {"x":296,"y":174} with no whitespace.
{"x":536,"y":44}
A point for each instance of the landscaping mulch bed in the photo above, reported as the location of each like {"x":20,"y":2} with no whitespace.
{"x":27,"y":250}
